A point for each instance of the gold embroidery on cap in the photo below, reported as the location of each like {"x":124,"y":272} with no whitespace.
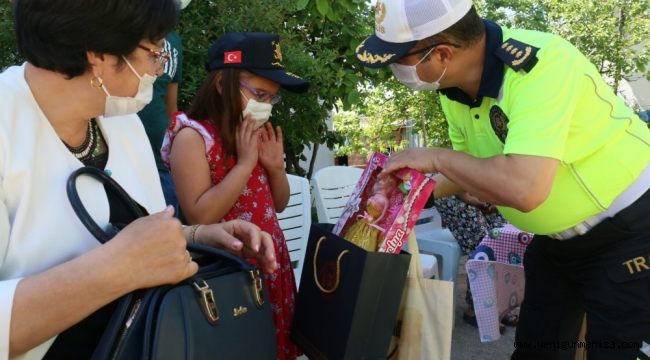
{"x":277,"y":54}
{"x":380,"y":16}
{"x":374,"y":58}
{"x":527,"y":53}
{"x":371,"y":58}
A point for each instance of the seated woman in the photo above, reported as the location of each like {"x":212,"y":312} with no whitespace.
{"x":90,"y":66}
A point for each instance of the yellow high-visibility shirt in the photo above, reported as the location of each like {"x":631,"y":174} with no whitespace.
{"x":560,"y":108}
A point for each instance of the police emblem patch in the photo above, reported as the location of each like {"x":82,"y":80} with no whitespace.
{"x":499,"y":122}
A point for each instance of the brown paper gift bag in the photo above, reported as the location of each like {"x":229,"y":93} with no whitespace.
{"x":425,"y":319}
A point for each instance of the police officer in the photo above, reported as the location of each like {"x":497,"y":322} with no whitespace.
{"x":536,"y":131}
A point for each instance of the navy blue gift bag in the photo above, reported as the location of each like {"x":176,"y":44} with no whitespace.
{"x":348,"y":299}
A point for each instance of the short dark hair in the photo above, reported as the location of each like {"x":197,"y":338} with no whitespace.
{"x":467,"y":31}
{"x":55,"y":34}
{"x":223,"y":109}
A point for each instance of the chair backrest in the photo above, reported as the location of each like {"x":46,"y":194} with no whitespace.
{"x":333,"y":185}
{"x":429,"y":219}
{"x":295,"y":222}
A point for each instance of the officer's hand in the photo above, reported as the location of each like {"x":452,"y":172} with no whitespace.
{"x":421,"y":159}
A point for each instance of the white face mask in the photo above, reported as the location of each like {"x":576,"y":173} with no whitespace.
{"x":123,"y":105}
{"x":408,"y":75}
{"x":258,"y":111}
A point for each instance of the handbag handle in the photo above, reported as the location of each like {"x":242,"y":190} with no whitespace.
{"x":110,"y":185}
{"x":136,"y":211}
{"x":214,"y":252}
{"x":338,"y":269}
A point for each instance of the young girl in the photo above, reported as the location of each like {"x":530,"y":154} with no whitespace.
{"x":227,"y":160}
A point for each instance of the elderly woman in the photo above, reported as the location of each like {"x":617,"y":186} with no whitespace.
{"x":90,"y":66}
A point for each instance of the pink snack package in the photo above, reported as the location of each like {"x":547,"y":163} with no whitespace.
{"x":381,"y":213}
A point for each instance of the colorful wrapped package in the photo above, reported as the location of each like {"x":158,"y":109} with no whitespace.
{"x":381,"y":212}
{"x":496,"y":276}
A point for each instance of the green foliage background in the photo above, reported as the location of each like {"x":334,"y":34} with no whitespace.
{"x":8,"y":53}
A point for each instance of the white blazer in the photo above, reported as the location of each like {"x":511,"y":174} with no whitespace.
{"x":38,"y":228}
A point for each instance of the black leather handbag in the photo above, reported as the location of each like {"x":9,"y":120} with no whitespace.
{"x":220,"y":313}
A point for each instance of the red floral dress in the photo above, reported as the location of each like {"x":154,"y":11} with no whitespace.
{"x":255,"y":204}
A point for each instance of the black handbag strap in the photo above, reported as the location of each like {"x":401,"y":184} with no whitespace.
{"x":135,"y":211}
{"x":110,"y":185}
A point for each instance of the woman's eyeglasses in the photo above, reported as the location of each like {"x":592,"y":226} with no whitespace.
{"x":260,"y":95}
{"x":161,"y":56}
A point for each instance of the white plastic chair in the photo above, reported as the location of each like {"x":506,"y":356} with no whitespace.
{"x":333,"y":185}
{"x":295,"y":222}
{"x":435,"y":240}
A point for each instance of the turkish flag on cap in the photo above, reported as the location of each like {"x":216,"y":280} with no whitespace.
{"x":232,"y":57}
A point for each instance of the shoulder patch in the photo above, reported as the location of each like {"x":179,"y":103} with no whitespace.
{"x":518,"y":55}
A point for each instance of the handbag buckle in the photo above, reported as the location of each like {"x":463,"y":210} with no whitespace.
{"x":208,"y":304}
{"x":257,"y":287}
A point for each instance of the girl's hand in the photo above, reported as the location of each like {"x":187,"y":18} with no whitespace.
{"x":271,"y":149}
{"x":247,"y":143}
{"x":241,"y":238}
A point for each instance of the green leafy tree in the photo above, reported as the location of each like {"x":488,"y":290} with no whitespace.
{"x":389,"y":109}
{"x":8,"y":53}
{"x":423,"y":110}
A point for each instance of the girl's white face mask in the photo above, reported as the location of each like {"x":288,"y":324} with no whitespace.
{"x":260,"y":112}
{"x":408,"y":75}
{"x":124,"y":105}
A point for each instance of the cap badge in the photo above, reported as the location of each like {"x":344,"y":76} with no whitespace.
{"x":277,"y":54}
{"x":232,"y":57}
{"x":380,"y":16}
